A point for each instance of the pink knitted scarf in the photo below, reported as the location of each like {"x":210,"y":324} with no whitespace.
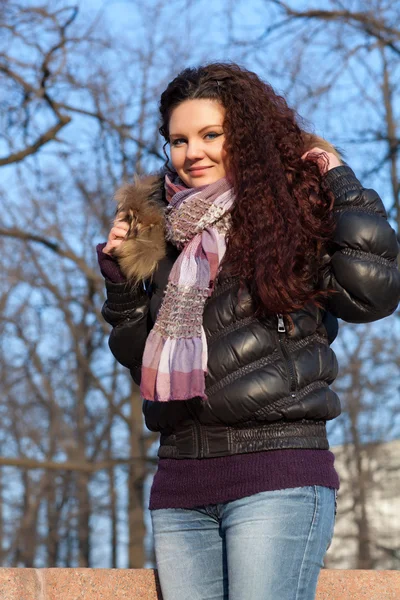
{"x":175,"y":355}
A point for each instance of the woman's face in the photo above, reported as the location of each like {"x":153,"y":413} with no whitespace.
{"x":196,"y":139}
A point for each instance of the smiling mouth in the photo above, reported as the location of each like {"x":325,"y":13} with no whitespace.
{"x":198,"y":169}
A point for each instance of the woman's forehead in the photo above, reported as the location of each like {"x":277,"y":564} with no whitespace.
{"x":193,"y":115}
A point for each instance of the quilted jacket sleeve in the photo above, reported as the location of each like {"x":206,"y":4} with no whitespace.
{"x":361,"y":265}
{"x":126,"y":309}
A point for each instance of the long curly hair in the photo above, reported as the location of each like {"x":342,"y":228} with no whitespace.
{"x":282,"y":218}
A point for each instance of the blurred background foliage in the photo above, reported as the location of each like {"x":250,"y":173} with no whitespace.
{"x":79,"y":90}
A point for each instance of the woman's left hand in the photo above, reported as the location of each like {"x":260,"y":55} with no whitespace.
{"x":326,"y":162}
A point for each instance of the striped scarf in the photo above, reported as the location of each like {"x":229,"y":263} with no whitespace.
{"x":175,"y":356}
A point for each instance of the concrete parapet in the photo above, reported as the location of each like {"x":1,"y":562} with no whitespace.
{"x":141,"y":584}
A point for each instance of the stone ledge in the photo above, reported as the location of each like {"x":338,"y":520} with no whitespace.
{"x":141,"y":584}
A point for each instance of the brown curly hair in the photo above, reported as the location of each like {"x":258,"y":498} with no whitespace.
{"x":282,"y":217}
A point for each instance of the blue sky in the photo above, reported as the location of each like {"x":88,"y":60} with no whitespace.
{"x":199,"y":31}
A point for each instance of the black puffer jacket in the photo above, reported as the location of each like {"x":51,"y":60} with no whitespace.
{"x":267,"y":387}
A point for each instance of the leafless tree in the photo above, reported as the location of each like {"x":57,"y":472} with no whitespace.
{"x":67,"y":401}
{"x":340,"y":67}
{"x":368,"y":387}
{"x":78,"y":116}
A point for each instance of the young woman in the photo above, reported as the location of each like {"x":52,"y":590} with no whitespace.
{"x":225,"y":278}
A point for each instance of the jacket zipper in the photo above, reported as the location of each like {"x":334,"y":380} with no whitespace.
{"x":286,"y":355}
{"x":198,"y":432}
{"x":198,"y":427}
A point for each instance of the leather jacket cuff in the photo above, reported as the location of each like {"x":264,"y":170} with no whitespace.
{"x":342,"y":179}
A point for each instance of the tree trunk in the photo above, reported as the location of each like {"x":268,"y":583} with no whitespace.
{"x":1,"y":519}
{"x":52,"y":540}
{"x":113,"y":502}
{"x":137,"y":473}
{"x":83,"y":519}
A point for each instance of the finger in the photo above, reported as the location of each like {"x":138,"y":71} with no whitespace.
{"x":121,"y":223}
{"x":111,"y":245}
{"x":118,"y":232}
{"x":107,"y":249}
{"x":314,"y":150}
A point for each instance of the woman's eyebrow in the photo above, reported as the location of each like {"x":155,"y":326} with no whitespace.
{"x":200,"y":131}
{"x":207,"y":126}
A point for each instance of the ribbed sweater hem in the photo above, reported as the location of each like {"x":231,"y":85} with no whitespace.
{"x":200,"y":482}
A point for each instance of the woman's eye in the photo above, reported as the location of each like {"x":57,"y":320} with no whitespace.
{"x":177,"y":142}
{"x":212,"y":135}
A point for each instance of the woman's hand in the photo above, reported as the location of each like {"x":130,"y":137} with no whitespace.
{"x":326,"y":161}
{"x":116,"y":236}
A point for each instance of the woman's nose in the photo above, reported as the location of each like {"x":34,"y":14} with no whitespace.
{"x":194,"y":151}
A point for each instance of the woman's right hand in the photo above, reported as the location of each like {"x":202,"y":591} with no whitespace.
{"x":116,"y":236}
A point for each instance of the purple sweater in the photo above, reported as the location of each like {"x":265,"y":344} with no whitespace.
{"x":186,"y":483}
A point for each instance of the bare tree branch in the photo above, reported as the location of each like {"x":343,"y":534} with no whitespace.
{"x":50,"y":135}
{"x":371,"y":25}
{"x":54,"y":247}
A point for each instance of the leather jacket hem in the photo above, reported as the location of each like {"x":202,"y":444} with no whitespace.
{"x":193,"y":440}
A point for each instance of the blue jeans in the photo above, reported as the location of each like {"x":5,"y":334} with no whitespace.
{"x":269,"y":546}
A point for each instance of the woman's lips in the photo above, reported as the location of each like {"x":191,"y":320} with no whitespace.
{"x":198,"y":171}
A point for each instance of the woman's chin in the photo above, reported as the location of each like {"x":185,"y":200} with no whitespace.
{"x":195,"y":182}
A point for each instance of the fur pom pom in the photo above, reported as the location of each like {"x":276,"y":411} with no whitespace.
{"x":141,"y":205}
